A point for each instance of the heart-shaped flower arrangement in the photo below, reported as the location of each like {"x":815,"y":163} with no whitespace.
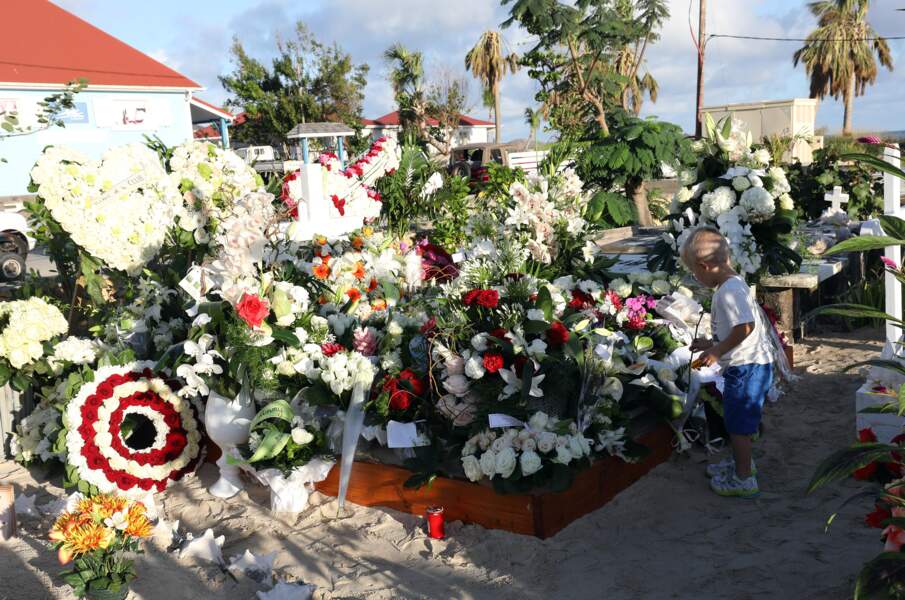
{"x":117,"y":209}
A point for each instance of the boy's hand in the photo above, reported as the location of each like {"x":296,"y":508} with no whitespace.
{"x":709,"y":357}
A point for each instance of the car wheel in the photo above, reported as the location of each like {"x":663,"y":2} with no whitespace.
{"x":461,"y":170}
{"x":19,"y":241}
{"x":12,"y":266}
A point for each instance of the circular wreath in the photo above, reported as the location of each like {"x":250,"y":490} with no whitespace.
{"x":106,"y":457}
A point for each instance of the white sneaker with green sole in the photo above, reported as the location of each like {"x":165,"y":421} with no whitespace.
{"x":726,"y":467}
{"x":734,"y":487}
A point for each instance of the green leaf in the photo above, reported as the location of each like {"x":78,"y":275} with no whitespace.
{"x":273,"y":443}
{"x":864,"y":243}
{"x":20,"y":382}
{"x":5,"y":372}
{"x":643,"y":344}
{"x":893,"y":226}
{"x":535,"y":327}
{"x":284,"y":335}
{"x":852,"y":311}
{"x":545,"y":302}
{"x":619,"y":209}
{"x":889,"y":365}
{"x":842,"y":463}
{"x":278,"y":409}
{"x":875,"y":162}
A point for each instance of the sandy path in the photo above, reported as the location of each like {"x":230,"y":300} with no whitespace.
{"x":667,"y":536}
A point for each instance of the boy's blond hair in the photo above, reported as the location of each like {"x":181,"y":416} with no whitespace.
{"x":705,"y":245}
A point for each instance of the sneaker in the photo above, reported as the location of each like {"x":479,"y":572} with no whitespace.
{"x":735,"y":487}
{"x":726,"y":467}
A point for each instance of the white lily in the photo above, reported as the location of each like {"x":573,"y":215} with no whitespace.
{"x":514,"y":384}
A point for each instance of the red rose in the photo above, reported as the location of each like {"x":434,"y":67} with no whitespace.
{"x":557,"y":335}
{"x":493,"y":362}
{"x":253,"y":309}
{"x":331,"y":348}
{"x":865,"y":472}
{"x":104,"y":390}
{"x":408,"y":376}
{"x":867,"y":435}
{"x":580,"y":300}
{"x":470,"y":297}
{"x":146,"y":484}
{"x":499,"y":333}
{"x":877,"y":516}
{"x":488,"y":298}
{"x":429,"y":327}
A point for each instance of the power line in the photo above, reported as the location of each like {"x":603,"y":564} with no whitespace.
{"x":787,"y":39}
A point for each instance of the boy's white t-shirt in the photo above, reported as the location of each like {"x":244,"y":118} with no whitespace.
{"x":733,"y":305}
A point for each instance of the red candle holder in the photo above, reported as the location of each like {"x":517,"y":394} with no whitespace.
{"x":435,"y":522}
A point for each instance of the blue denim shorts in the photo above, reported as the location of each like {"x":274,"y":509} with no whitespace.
{"x":744,"y":392}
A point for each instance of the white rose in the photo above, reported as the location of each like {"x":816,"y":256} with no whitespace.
{"x":575,"y":447}
{"x":563,"y":455}
{"x":479,"y":342}
{"x":538,"y":422}
{"x":500,"y":444}
{"x":505,"y":462}
{"x":660,"y":287}
{"x":455,"y":365}
{"x":488,"y":463}
{"x":621,"y":288}
{"x":472,"y":468}
{"x":786,"y":202}
{"x":740,"y":183}
{"x":546,"y":442}
{"x":762,"y":156}
{"x":642,"y":277}
{"x":474,"y":367}
{"x":685,"y":291}
{"x":530,"y":462}
{"x":301,"y":436}
{"x":529,"y":444}
{"x":535,"y":314}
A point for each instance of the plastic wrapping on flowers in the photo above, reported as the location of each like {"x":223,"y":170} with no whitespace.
{"x":522,"y":323}
{"x":735,"y":190}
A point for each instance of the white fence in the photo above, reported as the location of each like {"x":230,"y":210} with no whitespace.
{"x":527,"y":161}
{"x":892,"y":205}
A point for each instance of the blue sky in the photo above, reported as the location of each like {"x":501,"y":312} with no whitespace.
{"x":194,"y":38}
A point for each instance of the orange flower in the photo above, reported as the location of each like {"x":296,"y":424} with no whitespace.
{"x":66,"y":523}
{"x":138,"y":523}
{"x":83,"y":539}
{"x":353,"y":294}
{"x":372,"y":285}
{"x":359,"y":272}
{"x":323,"y":300}
{"x":358,"y":243}
{"x":321,"y":271}
{"x":379,"y":304}
{"x":321,"y":240}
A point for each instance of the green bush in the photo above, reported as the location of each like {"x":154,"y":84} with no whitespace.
{"x":810,"y":183}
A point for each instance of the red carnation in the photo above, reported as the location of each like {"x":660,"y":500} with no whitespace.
{"x":636,"y":322}
{"x":614,"y":299}
{"x":104,"y":390}
{"x":429,"y":327}
{"x":876,"y":517}
{"x":493,"y":362}
{"x":252,"y":309}
{"x":340,"y":204}
{"x":331,"y":348}
{"x":488,"y":298}
{"x":557,"y":335}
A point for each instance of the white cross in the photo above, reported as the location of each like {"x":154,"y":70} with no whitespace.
{"x":836,"y":199}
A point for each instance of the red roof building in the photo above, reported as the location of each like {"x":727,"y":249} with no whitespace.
{"x":470,"y":130}
{"x":45,"y":46}
{"x":392,"y":119}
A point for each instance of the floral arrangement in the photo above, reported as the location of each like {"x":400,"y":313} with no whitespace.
{"x":350,"y":189}
{"x":97,"y":535}
{"x":517,"y":453}
{"x":117,"y":210}
{"x":161,"y":445}
{"x":524,"y":320}
{"x":736,"y":191}
{"x":29,"y":323}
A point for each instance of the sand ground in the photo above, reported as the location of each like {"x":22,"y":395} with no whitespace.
{"x":666,"y":537}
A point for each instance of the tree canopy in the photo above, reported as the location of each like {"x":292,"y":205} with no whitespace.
{"x":307,"y":81}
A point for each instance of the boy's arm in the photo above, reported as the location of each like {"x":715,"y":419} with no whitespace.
{"x":736,"y":336}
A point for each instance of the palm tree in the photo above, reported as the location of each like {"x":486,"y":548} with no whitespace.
{"x":487,"y":62}
{"x":637,"y":85}
{"x":533,"y":119}
{"x":840,"y":55}
{"x":649,"y":15}
{"x":407,"y":80}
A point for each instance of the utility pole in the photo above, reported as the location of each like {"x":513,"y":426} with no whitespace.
{"x":701,"y":44}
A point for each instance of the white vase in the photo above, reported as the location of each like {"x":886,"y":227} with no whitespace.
{"x":227,"y":422}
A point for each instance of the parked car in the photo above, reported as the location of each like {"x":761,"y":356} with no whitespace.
{"x":471,"y":160}
{"x":15,"y":244}
{"x":253,"y":154}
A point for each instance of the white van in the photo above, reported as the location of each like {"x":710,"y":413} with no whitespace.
{"x":253,"y":154}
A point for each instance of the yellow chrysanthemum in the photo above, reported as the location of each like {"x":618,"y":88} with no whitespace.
{"x":85,"y":538}
{"x":138,"y":523}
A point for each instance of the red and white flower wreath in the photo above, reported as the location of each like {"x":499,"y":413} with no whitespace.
{"x":95,"y":442}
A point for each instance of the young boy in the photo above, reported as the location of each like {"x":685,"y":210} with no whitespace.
{"x":742,"y":348}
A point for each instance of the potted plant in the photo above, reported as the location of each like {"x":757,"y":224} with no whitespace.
{"x":96,"y":537}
